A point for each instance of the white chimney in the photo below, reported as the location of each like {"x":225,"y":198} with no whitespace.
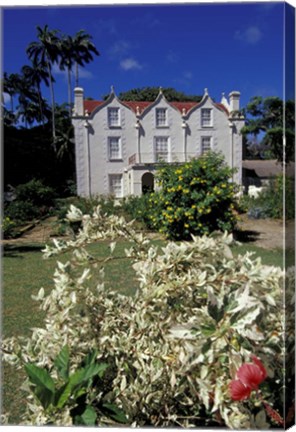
{"x":78,"y":101}
{"x":234,"y":98}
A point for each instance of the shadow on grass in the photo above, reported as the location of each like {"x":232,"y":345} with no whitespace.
{"x":14,"y":250}
{"x":246,"y":236}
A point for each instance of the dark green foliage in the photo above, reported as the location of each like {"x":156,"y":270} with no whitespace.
{"x":28,"y":153}
{"x":268,"y":115}
{"x":151,"y":93}
{"x":135,"y":207}
{"x":32,"y":200}
{"x":86,"y":205}
{"x":73,"y":389}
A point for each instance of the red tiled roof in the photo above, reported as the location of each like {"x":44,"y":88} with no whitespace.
{"x":134,"y":104}
{"x":90,"y":105}
{"x":183,"y":105}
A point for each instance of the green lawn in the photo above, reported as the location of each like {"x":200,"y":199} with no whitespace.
{"x":25,"y":272}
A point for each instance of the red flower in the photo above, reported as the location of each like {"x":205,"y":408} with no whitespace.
{"x":249,"y":375}
{"x":239,"y":391}
{"x":252,"y":374}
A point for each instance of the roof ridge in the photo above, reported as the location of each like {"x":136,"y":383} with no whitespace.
{"x":180,"y":105}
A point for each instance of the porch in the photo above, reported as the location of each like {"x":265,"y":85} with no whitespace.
{"x":158,"y":158}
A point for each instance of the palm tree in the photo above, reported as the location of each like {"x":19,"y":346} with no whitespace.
{"x":10,"y":83}
{"x":35,"y":75}
{"x":28,"y":112}
{"x":46,"y":51}
{"x":67,"y":62}
{"x":82,"y":51}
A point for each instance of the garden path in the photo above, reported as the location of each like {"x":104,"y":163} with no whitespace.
{"x":265,"y":233}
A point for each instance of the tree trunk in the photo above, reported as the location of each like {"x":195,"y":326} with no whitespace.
{"x":52,"y":103}
{"x":40,"y":105}
{"x":69,"y":91}
{"x":77,"y":77}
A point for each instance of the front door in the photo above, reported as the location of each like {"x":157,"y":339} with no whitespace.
{"x":147,"y":183}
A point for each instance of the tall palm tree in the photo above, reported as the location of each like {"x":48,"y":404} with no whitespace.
{"x":35,"y":75}
{"x":67,"y":62}
{"x":10,"y":83}
{"x":46,"y":51}
{"x":83,"y":50}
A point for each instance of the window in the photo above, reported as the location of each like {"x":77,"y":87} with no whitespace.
{"x":115,"y":181}
{"x":161,"y":149}
{"x":206,"y":117}
{"x":113,"y":117}
{"x":114,"y":148}
{"x":161,"y":117}
{"x":206,"y":144}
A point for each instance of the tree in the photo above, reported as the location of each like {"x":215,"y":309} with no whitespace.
{"x":36,"y":74}
{"x":46,"y":51}
{"x":67,"y":62}
{"x":265,"y":117}
{"x":150,"y":94}
{"x":82,"y":49}
{"x":10,"y":86}
{"x":65,"y":134}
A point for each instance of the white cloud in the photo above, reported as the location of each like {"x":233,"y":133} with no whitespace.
{"x":130,"y":64}
{"x":251,"y":35}
{"x":119,"y":49}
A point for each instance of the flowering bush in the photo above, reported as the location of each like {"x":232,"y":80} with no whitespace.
{"x":173,"y":349}
{"x":194,"y":198}
{"x":7,"y":227}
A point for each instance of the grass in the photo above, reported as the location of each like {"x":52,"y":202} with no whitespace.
{"x":25,"y":272}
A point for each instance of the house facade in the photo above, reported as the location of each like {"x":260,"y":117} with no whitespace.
{"x":120,"y":144}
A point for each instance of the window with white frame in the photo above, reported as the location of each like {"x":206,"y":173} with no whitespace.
{"x":115,"y":185}
{"x":161,"y":117}
{"x":206,"y":117}
{"x":206,"y":144}
{"x":161,"y":147}
{"x":113,"y":117}
{"x":114,"y":148}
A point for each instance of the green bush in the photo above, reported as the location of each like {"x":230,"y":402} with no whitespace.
{"x":32,"y":200}
{"x":270,"y":202}
{"x":194,"y":198}
{"x":86,"y":206}
{"x":136,"y":208}
{"x":8,"y":228}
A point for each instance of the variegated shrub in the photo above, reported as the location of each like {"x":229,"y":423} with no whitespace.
{"x":173,"y":348}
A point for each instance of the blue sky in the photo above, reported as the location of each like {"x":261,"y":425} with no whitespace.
{"x":224,"y":47}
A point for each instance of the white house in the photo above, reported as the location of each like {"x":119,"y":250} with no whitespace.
{"x":120,"y":144}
